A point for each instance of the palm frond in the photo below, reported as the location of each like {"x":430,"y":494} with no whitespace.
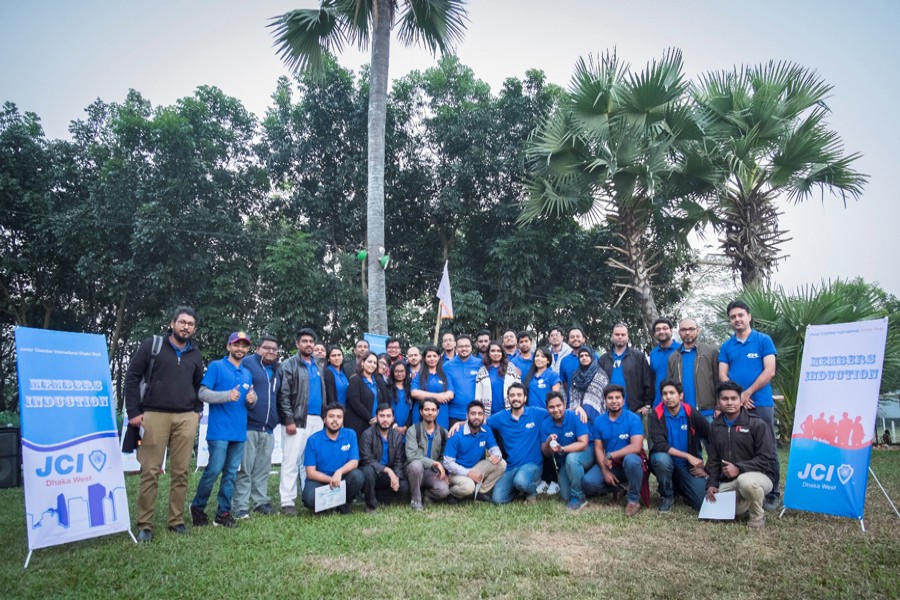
{"x":303,"y":36}
{"x":437,"y":24}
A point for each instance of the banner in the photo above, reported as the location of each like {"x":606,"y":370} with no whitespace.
{"x":71,"y":459}
{"x":202,"y":444}
{"x":834,"y":418}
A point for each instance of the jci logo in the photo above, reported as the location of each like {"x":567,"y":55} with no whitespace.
{"x":66,"y":464}
{"x":820,"y":472}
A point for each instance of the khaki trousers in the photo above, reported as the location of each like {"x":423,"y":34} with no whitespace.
{"x":175,"y":431}
{"x":461,"y":486}
{"x":751,"y":488}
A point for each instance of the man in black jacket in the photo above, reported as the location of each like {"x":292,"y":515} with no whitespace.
{"x":741,"y":456}
{"x":382,"y":460}
{"x":171,"y":368}
{"x":628,"y":367}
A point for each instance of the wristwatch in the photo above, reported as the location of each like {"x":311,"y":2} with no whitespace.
{"x":609,"y":457}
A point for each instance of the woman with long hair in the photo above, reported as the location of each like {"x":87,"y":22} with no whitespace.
{"x":432,"y":383}
{"x":365,"y":391}
{"x":494,"y":378}
{"x":400,"y":396}
{"x":541,"y":379}
{"x":335,"y":380}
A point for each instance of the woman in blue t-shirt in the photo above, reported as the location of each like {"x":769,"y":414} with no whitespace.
{"x":401,"y":398}
{"x":335,"y":379}
{"x":541,"y":379}
{"x":364,"y":392}
{"x":432,"y":383}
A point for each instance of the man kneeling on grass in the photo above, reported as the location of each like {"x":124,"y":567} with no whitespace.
{"x":741,"y":456}
{"x":383,"y":460}
{"x":464,"y":457}
{"x":565,"y":438}
{"x":675,"y":434}
{"x":332,"y":455}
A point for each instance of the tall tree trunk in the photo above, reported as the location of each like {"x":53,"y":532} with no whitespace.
{"x":381,"y":47}
{"x":117,"y":331}
{"x":751,"y":236}
{"x":639,"y":268}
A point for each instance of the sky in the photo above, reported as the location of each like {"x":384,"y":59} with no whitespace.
{"x":61,"y":55}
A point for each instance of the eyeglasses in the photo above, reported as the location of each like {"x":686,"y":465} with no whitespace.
{"x":183,"y":323}
{"x":688,"y":329}
{"x":268,"y":349}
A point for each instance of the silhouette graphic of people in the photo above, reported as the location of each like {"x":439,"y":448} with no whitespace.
{"x":844,"y":426}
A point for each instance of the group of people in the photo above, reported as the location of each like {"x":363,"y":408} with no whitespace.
{"x":477,"y":418}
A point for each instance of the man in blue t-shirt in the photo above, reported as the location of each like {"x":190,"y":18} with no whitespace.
{"x":332,"y":456}
{"x":659,"y":356}
{"x":227,"y":387}
{"x":465,"y":461}
{"x":675,"y":434}
{"x":462,"y":370}
{"x":618,"y":443}
{"x":748,"y":359}
{"x":523,"y":356}
{"x":565,"y":438}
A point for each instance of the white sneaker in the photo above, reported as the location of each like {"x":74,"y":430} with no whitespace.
{"x":553,"y":488}
{"x":542,"y":487}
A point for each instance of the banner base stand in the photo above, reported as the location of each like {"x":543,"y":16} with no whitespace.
{"x":884,"y":491}
{"x":28,"y":559}
{"x":133,"y":539}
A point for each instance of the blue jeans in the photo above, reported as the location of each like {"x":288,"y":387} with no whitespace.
{"x":225,"y":458}
{"x":674,"y":475}
{"x":571,"y":473}
{"x":522,"y":479}
{"x":630,"y":471}
{"x":767,"y":414}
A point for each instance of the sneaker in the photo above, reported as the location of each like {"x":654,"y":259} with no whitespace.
{"x":289,"y":510}
{"x":415,"y":505}
{"x":757,"y":523}
{"x":665,"y":504}
{"x":484,"y":497}
{"x":180,"y":529}
{"x":224,"y":519}
{"x":553,"y":488}
{"x":632,"y":508}
{"x":241,"y":514}
{"x":452,"y":500}
{"x":198,"y":517}
{"x":344,"y":509}
{"x":263,"y":509}
{"x":575,"y":505}
{"x":145,"y":535}
{"x":542,"y":487}
{"x":771,"y":503}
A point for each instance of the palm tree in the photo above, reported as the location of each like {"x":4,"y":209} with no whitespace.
{"x":302,"y":37}
{"x":768,"y":123}
{"x":622,"y":146}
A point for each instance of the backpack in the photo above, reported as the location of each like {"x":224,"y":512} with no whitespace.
{"x":154,"y":351}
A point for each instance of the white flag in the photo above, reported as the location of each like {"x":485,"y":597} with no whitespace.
{"x":443,"y":295}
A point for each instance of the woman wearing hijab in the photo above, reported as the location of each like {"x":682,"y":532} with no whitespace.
{"x":587,"y":385}
{"x":335,"y":380}
{"x":364,"y":392}
{"x":494,"y":378}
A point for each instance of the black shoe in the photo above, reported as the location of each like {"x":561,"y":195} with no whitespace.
{"x":289,"y":511}
{"x":264,"y":509}
{"x":772,"y":503}
{"x":179,"y":529}
{"x":198,"y":517}
{"x":452,"y":500}
{"x":483,"y":498}
{"x":345,"y":509}
{"x":225,"y":520}
{"x":145,"y":535}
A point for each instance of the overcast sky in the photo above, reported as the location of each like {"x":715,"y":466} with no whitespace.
{"x":60,"y":55}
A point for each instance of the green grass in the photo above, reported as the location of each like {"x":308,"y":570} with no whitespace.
{"x":467,"y":551}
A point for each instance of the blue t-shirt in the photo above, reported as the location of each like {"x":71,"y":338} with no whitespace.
{"x":540,"y":386}
{"x":498,"y":402}
{"x":384,"y":451}
{"x":373,"y":387}
{"x":524,"y":364}
{"x":567,"y":367}
{"x":315,"y":388}
{"x":688,"y":359}
{"x":745,"y":363}
{"x":659,"y":362}
{"x":401,"y":407}
{"x":430,"y":437}
{"x":340,"y":384}
{"x":677,"y":432}
{"x":522,"y":437}
{"x":566,"y":432}
{"x":328,"y":455}
{"x":468,"y":449}
{"x":435,"y":385}
{"x":228,"y":420}
{"x":615,"y":435}
{"x":462,"y":376}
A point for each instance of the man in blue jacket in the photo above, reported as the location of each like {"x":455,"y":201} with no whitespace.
{"x":253,"y":476}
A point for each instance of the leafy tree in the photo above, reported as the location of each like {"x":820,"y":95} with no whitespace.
{"x":303,"y":36}
{"x":770,"y":139}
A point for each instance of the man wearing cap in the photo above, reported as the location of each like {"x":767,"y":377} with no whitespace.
{"x":227,"y":387}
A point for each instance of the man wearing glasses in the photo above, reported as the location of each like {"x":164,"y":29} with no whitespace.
{"x":169,"y":410}
{"x":253,"y":476}
{"x":696,"y":366}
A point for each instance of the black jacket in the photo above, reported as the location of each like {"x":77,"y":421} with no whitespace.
{"x":293,"y":397}
{"x":698,"y":429}
{"x":174,"y":383}
{"x":360,"y":402}
{"x":639,"y":377}
{"x":747,"y":445}
{"x":370,"y":450}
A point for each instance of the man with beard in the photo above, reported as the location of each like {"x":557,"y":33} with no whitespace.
{"x":383,"y":460}
{"x":332,"y":456}
{"x":509,"y":342}
{"x":462,"y":371}
{"x":448,"y":345}
{"x":425,"y":444}
{"x":628,"y":367}
{"x":414,"y":358}
{"x":256,"y":464}
{"x":695,"y":365}
{"x":169,"y":410}
{"x":565,"y":439}
{"x":558,"y":347}
{"x":464,"y":457}
{"x":482,"y":341}
{"x":659,"y":356}
{"x":227,"y":387}
{"x":351,"y":365}
{"x":523,"y":357}
{"x":569,"y":364}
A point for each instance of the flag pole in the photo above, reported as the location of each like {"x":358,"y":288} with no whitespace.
{"x":437,"y":325}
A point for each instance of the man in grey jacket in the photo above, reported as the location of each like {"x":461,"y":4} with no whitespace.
{"x":301,"y":401}
{"x":425,"y":443}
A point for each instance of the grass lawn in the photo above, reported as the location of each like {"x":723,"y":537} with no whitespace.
{"x":467,"y":551}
